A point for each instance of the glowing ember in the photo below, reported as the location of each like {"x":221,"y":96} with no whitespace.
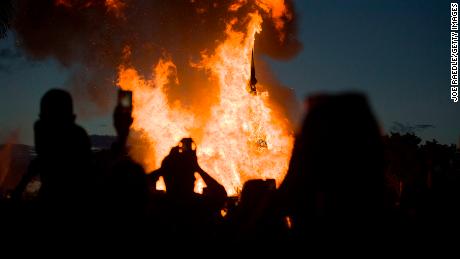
{"x":241,"y":140}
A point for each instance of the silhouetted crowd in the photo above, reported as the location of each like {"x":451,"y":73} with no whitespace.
{"x":344,"y":177}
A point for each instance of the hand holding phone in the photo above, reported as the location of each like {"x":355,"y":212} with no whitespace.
{"x":125,"y":99}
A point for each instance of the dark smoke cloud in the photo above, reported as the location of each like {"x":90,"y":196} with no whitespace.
{"x":270,"y":44}
{"x":89,"y":39}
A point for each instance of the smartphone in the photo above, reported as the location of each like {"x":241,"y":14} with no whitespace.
{"x":125,"y":99}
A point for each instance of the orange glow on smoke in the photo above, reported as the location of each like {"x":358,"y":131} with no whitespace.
{"x":65,"y":3}
{"x":275,"y":8}
{"x":113,"y":6}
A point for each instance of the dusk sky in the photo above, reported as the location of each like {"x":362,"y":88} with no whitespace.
{"x":397,"y":52}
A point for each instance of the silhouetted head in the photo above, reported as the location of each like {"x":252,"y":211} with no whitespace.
{"x":337,"y":164}
{"x":57,"y":106}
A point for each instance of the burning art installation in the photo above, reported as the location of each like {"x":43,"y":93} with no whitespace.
{"x":191,"y":68}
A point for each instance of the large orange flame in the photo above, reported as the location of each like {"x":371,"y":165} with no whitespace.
{"x":242,"y":139}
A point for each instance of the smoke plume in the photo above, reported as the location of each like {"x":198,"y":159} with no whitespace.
{"x":90,"y":38}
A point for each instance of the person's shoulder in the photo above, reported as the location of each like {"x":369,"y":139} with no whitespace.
{"x":80,"y":133}
{"x":80,"y":137}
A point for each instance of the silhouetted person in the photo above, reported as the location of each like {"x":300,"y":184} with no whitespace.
{"x":126,"y":183}
{"x":336,"y":175}
{"x":63,"y":154}
{"x":122,"y":121}
{"x":189,"y":213}
{"x":178,"y":170}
